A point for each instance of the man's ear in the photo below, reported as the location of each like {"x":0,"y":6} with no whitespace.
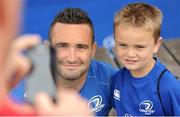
{"x":157,"y":44}
{"x":94,"y":46}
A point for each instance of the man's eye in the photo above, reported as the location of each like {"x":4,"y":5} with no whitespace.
{"x":61,"y":46}
{"x":82,"y":47}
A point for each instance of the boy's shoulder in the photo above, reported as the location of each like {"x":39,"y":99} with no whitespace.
{"x":168,"y":79}
{"x":168,"y":83}
{"x":167,"y":76}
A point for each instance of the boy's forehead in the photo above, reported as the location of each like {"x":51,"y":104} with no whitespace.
{"x":146,"y":26}
{"x":128,"y":27}
{"x":131,"y":32}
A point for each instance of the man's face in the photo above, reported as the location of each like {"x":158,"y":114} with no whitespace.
{"x":73,"y":44}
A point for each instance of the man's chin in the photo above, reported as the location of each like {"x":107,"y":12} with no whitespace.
{"x":70,"y":78}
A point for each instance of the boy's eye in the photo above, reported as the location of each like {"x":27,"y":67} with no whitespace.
{"x":140,"y":46}
{"x":122,"y":45}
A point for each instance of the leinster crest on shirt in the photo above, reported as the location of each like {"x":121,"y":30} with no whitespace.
{"x":146,"y":107}
{"x":95,"y":103}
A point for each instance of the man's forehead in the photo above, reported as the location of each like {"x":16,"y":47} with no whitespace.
{"x":72,"y":43}
{"x":59,"y":25}
{"x":72,"y":40}
{"x":71,"y":33}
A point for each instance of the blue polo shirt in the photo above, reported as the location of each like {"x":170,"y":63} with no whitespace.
{"x":139,"y":97}
{"x":96,"y":88}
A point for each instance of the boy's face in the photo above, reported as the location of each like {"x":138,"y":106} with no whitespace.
{"x":135,"y":48}
{"x":73,"y":43}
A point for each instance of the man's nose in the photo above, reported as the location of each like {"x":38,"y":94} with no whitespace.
{"x":72,"y":55}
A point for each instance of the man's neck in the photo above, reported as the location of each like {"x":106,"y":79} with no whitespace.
{"x":72,"y":84}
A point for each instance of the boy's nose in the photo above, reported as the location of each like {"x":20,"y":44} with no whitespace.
{"x":131,"y":52}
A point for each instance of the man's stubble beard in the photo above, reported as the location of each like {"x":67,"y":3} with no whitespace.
{"x":70,"y":75}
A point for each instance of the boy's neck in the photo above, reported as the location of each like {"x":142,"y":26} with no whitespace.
{"x":144,"y":71}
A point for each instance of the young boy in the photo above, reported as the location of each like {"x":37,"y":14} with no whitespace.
{"x":135,"y":87}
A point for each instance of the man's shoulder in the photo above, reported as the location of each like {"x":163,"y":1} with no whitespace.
{"x":121,"y":75}
{"x":102,"y":66}
{"x":101,"y":71}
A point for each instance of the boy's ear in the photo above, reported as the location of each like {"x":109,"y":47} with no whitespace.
{"x":157,"y":44}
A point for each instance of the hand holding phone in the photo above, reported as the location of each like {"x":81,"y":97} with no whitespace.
{"x":41,"y":76}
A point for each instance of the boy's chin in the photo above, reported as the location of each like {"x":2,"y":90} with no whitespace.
{"x":131,"y":67}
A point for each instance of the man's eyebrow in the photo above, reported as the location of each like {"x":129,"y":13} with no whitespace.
{"x":61,"y":43}
{"x":83,"y":45}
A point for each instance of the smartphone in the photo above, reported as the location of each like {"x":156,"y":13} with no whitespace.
{"x":41,"y":77}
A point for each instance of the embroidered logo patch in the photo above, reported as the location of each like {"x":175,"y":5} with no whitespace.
{"x":128,"y":115}
{"x":96,"y":103}
{"x":117,"y":94}
{"x":146,"y":107}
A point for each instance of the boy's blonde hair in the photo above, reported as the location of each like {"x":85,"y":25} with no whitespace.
{"x":140,"y":15}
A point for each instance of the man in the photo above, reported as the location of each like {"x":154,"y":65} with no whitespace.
{"x":13,"y":66}
{"x":72,"y":35}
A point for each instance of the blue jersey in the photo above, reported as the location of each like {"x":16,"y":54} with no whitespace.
{"x":96,"y":88}
{"x":138,"y":96}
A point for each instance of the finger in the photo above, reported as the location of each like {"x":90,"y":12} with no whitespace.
{"x":18,"y":64}
{"x":21,"y":69}
{"x":26,"y":41}
{"x":46,"y":43}
{"x":43,"y":104}
{"x":70,"y":99}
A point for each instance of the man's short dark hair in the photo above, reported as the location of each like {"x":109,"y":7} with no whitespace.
{"x":72,"y":16}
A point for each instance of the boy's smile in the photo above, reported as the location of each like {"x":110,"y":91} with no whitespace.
{"x":130,"y":61}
